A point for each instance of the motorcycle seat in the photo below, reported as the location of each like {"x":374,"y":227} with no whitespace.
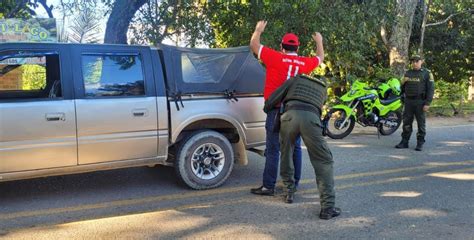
{"x":388,"y":101}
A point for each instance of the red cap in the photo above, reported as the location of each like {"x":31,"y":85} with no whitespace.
{"x":290,"y":39}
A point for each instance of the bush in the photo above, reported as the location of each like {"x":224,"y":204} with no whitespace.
{"x":451,"y":92}
{"x":448,"y":98}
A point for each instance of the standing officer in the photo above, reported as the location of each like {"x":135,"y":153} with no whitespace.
{"x":302,"y":98}
{"x":417,"y":90}
{"x":280,"y":66}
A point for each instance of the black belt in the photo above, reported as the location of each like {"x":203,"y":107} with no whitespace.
{"x":303,"y":107}
{"x":415,"y":97}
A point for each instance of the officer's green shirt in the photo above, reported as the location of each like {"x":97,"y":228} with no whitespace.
{"x":418,"y":84}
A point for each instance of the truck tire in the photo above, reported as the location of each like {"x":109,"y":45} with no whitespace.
{"x":204,"y":160}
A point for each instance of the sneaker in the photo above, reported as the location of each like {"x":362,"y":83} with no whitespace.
{"x":329,"y":213}
{"x":263,"y":191}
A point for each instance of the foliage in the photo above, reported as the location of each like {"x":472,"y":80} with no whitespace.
{"x":23,"y":8}
{"x":93,"y":70}
{"x":451,"y":97}
{"x":14,"y":9}
{"x":451,"y":92}
{"x":85,"y":27}
{"x":33,"y":77}
{"x":184,"y":22}
{"x":67,"y":9}
{"x":449,"y":46}
{"x":441,"y":107}
{"x":352,"y":44}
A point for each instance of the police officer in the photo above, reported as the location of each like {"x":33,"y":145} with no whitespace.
{"x":302,"y":98}
{"x":417,"y":92}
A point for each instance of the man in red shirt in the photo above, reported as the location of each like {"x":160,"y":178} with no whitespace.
{"x":281,"y":66}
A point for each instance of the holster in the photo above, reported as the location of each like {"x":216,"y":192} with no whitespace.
{"x":276,"y":121}
{"x":324,"y":122}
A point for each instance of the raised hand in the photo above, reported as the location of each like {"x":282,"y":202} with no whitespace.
{"x":317,"y":37}
{"x":260,"y":26}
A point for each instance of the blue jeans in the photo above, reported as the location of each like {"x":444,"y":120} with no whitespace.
{"x":272,"y":153}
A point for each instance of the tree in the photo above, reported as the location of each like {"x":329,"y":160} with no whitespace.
{"x":119,"y":20}
{"x":446,"y":20}
{"x":398,"y":41}
{"x":448,"y":40}
{"x":48,"y":9}
{"x":352,"y":44}
{"x":184,"y":22}
{"x":12,"y":9}
{"x":23,"y":8}
{"x":66,"y":9}
{"x":426,"y":8}
{"x":85,"y":27}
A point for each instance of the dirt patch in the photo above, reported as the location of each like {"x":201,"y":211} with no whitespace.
{"x":458,"y":120}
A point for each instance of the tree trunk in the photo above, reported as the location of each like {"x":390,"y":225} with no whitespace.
{"x":426,"y":9}
{"x":400,"y":36}
{"x":48,"y":9}
{"x":120,"y":17}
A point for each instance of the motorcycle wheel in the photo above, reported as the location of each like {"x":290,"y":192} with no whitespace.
{"x":392,"y":122}
{"x":334,"y":129}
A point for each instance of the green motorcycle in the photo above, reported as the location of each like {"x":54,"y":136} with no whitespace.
{"x":378,"y":107}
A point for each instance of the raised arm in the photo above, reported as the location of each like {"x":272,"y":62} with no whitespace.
{"x":255,"y":40}
{"x":318,"y":38}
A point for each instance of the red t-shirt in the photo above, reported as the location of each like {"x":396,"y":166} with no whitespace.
{"x":281,"y":67}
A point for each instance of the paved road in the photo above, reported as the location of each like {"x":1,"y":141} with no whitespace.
{"x":385,"y":193}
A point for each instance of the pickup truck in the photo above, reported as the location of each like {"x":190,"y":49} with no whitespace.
{"x":73,"y":108}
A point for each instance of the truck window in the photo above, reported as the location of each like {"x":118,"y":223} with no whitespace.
{"x":112,"y":75}
{"x":204,"y":68}
{"x":29,"y":75}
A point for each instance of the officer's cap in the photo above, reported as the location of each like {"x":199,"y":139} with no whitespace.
{"x":415,"y":58}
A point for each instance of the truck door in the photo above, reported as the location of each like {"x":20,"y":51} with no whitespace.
{"x":116,"y":104}
{"x":37,"y":115}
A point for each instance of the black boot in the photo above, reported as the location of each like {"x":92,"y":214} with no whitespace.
{"x":329,"y":213}
{"x":419,"y":146}
{"x":402,"y":144}
{"x":290,"y":197}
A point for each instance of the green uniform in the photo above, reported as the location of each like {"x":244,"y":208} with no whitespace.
{"x":302,"y":99}
{"x":418,"y":90}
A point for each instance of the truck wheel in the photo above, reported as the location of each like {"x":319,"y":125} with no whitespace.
{"x":204,"y":160}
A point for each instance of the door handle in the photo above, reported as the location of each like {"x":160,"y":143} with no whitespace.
{"x":55,"y":117}
{"x":140,"y":112}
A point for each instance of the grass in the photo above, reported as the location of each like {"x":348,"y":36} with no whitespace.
{"x":441,"y":107}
